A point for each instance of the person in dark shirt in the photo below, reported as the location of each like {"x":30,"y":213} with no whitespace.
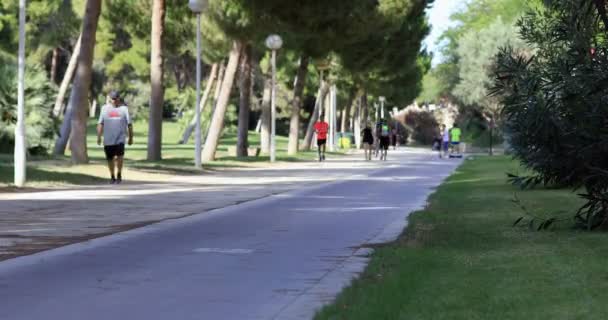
{"x":368,"y":141}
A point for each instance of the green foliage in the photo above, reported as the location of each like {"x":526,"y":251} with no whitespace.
{"x":40,"y":127}
{"x":461,"y":41}
{"x":432,"y":88}
{"x":389,"y":61}
{"x":555,"y":102}
{"x":476,"y":65}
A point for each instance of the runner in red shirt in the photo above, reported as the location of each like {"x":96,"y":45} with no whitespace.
{"x":321,"y":129}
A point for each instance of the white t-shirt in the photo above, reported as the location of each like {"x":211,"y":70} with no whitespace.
{"x":446,"y":135}
{"x":115,"y":122}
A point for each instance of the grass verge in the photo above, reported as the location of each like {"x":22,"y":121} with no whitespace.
{"x":461,"y":258}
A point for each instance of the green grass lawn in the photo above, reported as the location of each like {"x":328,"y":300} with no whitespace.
{"x":177,"y":159}
{"x":461,"y":258}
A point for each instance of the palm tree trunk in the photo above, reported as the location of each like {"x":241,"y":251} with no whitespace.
{"x":210,"y":81}
{"x":155,"y":123}
{"x":65,"y":83}
{"x":296,"y":104}
{"x":265,"y":117}
{"x":79,"y":97}
{"x":217,"y":122}
{"x":244,"y":102}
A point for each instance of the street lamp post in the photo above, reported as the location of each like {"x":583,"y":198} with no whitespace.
{"x":20,"y":142}
{"x":382,"y":99}
{"x":197,"y":6}
{"x":274,"y":43}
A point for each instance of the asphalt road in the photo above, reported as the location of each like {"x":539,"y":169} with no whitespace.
{"x":281,"y":257}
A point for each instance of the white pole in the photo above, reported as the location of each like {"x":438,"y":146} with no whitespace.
{"x":273,"y":111}
{"x":20,"y":142}
{"x":332,"y":119}
{"x":198,"y":142}
{"x":382,"y":109}
{"x":329,"y":119}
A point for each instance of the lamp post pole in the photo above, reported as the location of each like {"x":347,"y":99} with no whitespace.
{"x":197,"y":6}
{"x":198,"y":138}
{"x":274,"y":43}
{"x":273,"y":110}
{"x":20,"y":141}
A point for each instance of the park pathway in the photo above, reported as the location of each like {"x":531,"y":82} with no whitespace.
{"x":279,"y":257}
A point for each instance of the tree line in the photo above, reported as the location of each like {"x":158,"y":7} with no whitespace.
{"x":80,"y":49}
{"x":465,"y":75}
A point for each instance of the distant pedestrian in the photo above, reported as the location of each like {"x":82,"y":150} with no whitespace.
{"x":377,"y":134}
{"x":384,"y":140}
{"x":455,"y":135}
{"x":445,"y":141}
{"x":321,"y":129}
{"x":114,"y":124}
{"x":368,"y":141}
{"x":394,"y":137}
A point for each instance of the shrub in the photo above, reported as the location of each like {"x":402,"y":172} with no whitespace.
{"x":424,"y":126}
{"x":39,"y":98}
{"x":555,"y":102}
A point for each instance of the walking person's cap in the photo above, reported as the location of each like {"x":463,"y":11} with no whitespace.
{"x":114,"y":95}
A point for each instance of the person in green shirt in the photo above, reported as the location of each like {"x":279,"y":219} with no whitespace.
{"x":455,"y":134}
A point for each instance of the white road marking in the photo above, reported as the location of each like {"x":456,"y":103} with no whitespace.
{"x":223,"y":251}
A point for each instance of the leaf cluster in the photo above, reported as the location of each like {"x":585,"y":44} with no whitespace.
{"x":554,"y":101}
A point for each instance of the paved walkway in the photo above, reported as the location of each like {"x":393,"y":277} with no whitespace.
{"x":30,"y":222}
{"x":281,"y":257}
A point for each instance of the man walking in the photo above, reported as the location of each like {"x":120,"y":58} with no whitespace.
{"x":445,"y":141}
{"x":385,"y":140}
{"x":455,"y":134}
{"x":377,"y":133}
{"x":368,"y":141}
{"x":114,"y":123}
{"x":321,"y":129}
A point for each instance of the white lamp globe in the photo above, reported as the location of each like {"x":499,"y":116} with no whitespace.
{"x":274,"y":42}
{"x":197,"y":6}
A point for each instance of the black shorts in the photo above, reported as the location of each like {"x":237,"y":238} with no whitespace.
{"x":385,"y":142}
{"x":117,"y":150}
{"x":321,"y":142}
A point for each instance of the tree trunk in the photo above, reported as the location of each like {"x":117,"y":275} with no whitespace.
{"x":210,"y":81}
{"x":217,"y":121}
{"x":265,"y":117}
{"x":346,"y":111}
{"x":78,"y":103}
{"x":296,"y":104}
{"x":218,"y":85}
{"x":54,"y":65}
{"x":242,"y":142}
{"x":323,"y":90}
{"x":155,"y":122}
{"x":357,"y":121}
{"x":65,"y":83}
{"x":93,"y":109}
{"x":365,"y":107}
